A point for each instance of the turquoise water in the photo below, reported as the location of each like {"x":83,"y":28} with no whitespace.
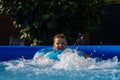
{"x":70,"y":67}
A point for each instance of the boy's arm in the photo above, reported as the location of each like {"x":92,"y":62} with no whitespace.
{"x":81,"y":53}
{"x":39,"y":54}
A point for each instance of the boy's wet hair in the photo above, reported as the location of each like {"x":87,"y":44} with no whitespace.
{"x":59,"y":36}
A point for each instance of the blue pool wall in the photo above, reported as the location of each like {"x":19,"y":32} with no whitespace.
{"x":27,"y":52}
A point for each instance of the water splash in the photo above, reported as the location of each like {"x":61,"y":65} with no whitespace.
{"x":71,"y":66}
{"x":83,"y":39}
{"x":69,"y":59}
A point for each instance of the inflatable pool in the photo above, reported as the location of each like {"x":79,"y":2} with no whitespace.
{"x":27,"y":52}
{"x":16,"y":63}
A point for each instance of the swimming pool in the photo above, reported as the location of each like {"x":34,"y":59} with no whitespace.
{"x":17,"y":64}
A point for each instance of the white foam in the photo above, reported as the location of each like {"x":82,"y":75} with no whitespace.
{"x":69,"y":59}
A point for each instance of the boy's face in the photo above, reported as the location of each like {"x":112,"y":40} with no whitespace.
{"x":60,"y":43}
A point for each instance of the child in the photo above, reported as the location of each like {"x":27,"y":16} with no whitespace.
{"x":59,"y":45}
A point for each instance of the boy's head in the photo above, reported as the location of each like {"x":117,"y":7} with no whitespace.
{"x":59,"y":42}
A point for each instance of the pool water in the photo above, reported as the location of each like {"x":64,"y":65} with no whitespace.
{"x":70,"y":67}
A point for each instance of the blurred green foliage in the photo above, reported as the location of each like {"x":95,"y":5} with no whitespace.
{"x":40,"y":20}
